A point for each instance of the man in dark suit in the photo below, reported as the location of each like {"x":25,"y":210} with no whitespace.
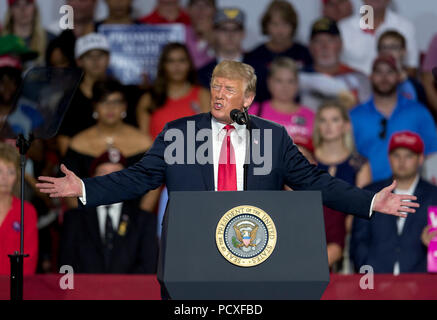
{"x":120,"y":238}
{"x":233,"y":87}
{"x":393,"y":244}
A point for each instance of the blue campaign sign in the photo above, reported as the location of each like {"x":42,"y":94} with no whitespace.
{"x":135,"y":49}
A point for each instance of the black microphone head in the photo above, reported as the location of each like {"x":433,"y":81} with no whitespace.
{"x":434,"y":73}
{"x":238,"y":116}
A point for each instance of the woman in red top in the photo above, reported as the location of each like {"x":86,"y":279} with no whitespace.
{"x":174,"y":93}
{"x":10,"y":215}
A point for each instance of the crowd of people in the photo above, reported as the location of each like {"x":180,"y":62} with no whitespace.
{"x":360,"y":104}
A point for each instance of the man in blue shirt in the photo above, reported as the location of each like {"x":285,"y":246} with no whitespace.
{"x":387,"y":112}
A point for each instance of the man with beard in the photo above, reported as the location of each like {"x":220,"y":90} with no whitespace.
{"x":391,"y":244}
{"x":385,"y":113}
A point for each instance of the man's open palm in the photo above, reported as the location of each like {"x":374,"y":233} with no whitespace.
{"x":68,"y":186}
{"x":390,"y":203}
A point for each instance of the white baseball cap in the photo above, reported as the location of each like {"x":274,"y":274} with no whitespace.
{"x":91,"y":41}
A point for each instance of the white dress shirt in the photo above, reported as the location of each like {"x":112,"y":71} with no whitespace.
{"x":114,"y":213}
{"x":400,"y":222}
{"x":238,"y":140}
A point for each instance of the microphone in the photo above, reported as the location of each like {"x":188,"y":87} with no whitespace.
{"x":240,"y":117}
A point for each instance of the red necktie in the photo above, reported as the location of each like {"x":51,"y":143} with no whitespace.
{"x":227,"y":169}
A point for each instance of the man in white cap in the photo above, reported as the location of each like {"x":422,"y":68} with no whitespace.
{"x":92,"y":55}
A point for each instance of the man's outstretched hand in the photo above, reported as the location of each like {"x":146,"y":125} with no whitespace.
{"x":68,"y":186}
{"x":394,"y":204}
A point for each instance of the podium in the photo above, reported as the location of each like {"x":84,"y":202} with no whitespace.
{"x":221,"y":246}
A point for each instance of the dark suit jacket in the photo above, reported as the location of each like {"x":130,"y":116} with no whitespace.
{"x":289,"y":167}
{"x":376,"y":242}
{"x":134,"y":252}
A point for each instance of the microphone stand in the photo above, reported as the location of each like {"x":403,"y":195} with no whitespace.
{"x":17,"y":259}
{"x":248,"y":140}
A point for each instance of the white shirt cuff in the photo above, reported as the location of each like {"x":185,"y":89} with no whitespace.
{"x":83,"y":198}
{"x":371,"y":206}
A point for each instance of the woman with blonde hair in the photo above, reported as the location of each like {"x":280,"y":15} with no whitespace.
{"x":10,"y":214}
{"x":334,"y":147}
{"x":334,"y":151}
{"x":23,"y":20}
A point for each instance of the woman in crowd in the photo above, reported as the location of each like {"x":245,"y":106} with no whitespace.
{"x":279,"y":23}
{"x":174,"y":94}
{"x":334,"y":151}
{"x":282,"y":108}
{"x":23,"y":20}
{"x":10,"y":214}
{"x":200,"y":35}
{"x":109,"y":131}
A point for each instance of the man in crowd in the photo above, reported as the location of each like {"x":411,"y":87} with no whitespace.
{"x":388,"y":112}
{"x":390,"y":244}
{"x":228,"y":35}
{"x":118,"y":238}
{"x":336,"y":9}
{"x":394,"y":43}
{"x":359,"y":45}
{"x":340,"y":80}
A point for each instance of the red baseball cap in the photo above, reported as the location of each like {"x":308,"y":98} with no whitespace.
{"x":406,"y":139}
{"x":387,"y":59}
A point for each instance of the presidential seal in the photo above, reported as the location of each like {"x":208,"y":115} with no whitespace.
{"x":246,"y":236}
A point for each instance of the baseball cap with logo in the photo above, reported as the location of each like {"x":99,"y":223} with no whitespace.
{"x":406,"y":139}
{"x":91,"y":41}
{"x":325,"y":25}
{"x":229,"y":15}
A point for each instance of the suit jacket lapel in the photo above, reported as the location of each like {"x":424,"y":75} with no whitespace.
{"x":208,"y":168}
{"x":410,"y":217}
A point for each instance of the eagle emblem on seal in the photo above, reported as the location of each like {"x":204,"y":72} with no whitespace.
{"x":245,"y":233}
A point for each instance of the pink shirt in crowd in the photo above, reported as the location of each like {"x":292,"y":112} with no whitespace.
{"x":299,"y":125}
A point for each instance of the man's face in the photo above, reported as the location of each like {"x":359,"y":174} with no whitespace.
{"x":119,"y":8}
{"x":384,"y":79}
{"x":405,"y":163}
{"x":83,"y":9}
{"x":226,"y":95}
{"x":325,"y":49}
{"x":228,"y":37}
{"x":392,"y":46}
{"x":337,"y":9}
